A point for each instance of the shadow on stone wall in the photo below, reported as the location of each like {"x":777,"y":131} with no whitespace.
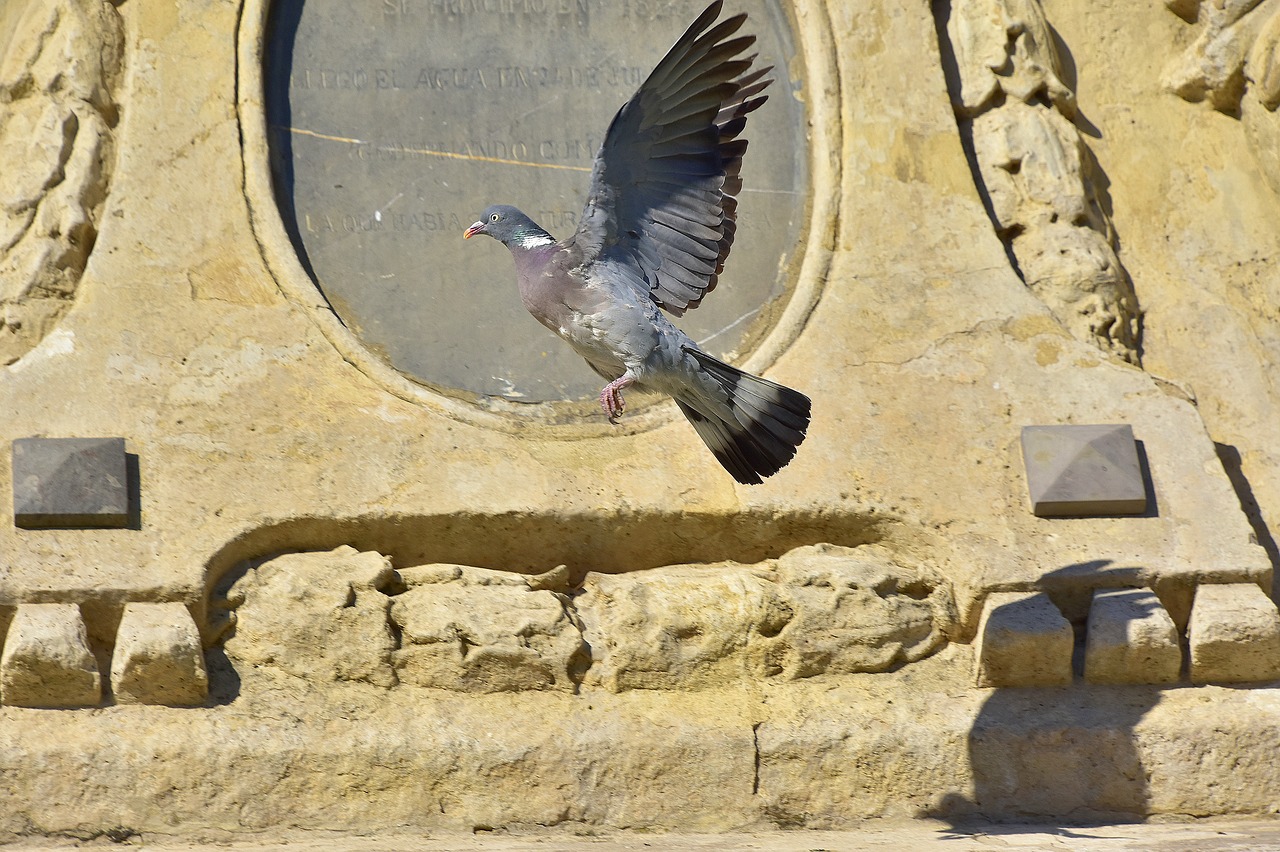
{"x":534,"y":542}
{"x":1233,"y":464}
{"x":1066,"y":754}
{"x":283,"y":30}
{"x":1069,"y":753}
{"x":1066,"y":747}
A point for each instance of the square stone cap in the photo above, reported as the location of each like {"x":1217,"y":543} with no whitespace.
{"x":70,"y":482}
{"x":1081,"y":471}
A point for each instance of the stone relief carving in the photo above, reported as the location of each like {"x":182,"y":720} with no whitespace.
{"x":344,"y":617}
{"x":1041,"y":178}
{"x":58,"y":77}
{"x":1234,"y":52}
{"x":476,"y":630}
{"x":1233,"y":65}
{"x":323,"y":617}
{"x":348,"y":616}
{"x":815,"y":610}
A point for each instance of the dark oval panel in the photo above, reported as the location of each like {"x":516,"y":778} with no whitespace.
{"x":393,"y":123}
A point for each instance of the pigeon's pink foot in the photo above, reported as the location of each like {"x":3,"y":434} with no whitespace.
{"x":611,"y":398}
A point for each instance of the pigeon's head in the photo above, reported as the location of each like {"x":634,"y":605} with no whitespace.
{"x":509,"y":226}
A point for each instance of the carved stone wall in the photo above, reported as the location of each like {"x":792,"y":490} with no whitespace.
{"x":1045,"y":190}
{"x":337,"y":604}
{"x":1233,"y":65}
{"x":59,"y":71}
{"x":348,"y":616}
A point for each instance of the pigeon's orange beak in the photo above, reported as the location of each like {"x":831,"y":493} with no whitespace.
{"x":477,"y":228}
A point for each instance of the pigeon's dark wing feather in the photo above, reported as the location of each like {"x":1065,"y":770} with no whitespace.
{"x":663,"y":195}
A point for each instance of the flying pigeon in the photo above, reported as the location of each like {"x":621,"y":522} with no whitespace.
{"x":658,"y":224}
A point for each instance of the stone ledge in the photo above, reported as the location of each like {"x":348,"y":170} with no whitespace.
{"x":816,"y":754}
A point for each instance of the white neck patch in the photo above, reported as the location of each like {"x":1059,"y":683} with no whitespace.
{"x":533,"y":240}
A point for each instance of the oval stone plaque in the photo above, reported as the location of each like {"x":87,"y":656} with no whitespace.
{"x":393,"y":123}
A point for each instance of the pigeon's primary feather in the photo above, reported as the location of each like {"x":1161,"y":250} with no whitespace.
{"x":659,"y":222}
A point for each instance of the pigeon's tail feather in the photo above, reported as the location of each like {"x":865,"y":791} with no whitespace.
{"x":755,"y":431}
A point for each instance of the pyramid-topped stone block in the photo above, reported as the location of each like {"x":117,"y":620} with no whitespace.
{"x":1081,"y":471}
{"x":70,"y":482}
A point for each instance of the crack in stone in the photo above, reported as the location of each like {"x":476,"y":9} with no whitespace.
{"x":755,"y":747}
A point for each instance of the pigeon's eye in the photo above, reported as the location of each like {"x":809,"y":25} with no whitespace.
{"x":495,"y":217}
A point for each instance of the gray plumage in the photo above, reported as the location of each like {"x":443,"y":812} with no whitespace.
{"x":658,"y":225}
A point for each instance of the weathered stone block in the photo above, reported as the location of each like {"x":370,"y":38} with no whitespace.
{"x":820,"y":609}
{"x":158,"y":657}
{"x":1023,"y":640}
{"x":678,"y":627}
{"x":1075,"y":471}
{"x":70,"y":482}
{"x":846,"y":610}
{"x":320,"y":616}
{"x":1234,"y":633}
{"x":472,"y":630}
{"x":47,"y":661}
{"x":1130,"y":638}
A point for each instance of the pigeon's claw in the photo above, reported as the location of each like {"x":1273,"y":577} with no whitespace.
{"x":611,"y":398}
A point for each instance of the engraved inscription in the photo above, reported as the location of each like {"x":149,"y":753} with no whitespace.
{"x":488,"y":77}
{"x":394,"y":122}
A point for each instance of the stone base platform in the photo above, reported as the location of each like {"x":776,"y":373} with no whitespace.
{"x":921,"y":742}
{"x":1207,"y":835}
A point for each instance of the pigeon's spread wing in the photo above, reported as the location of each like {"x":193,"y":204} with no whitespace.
{"x":663,"y":195}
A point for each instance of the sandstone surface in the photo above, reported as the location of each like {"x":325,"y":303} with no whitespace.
{"x":47,"y":661}
{"x":420,"y":609}
{"x":1023,"y":640}
{"x":158,"y":657}
{"x":1131,"y":639}
{"x":1234,"y":634}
